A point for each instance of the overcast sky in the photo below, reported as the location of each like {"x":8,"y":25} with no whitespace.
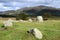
{"x":17,"y":4}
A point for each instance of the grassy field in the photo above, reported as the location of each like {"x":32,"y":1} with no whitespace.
{"x":50,"y":30}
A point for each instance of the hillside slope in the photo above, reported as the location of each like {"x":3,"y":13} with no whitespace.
{"x":37,"y":10}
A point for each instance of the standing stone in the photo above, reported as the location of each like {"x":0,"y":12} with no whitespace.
{"x":30,"y":20}
{"x":8,"y":23}
{"x":36,"y":32}
{"x":39,"y":18}
{"x":21,"y":20}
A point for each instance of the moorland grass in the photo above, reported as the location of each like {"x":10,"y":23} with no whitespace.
{"x":50,"y":30}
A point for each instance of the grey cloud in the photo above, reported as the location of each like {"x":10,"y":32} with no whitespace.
{"x":11,"y":0}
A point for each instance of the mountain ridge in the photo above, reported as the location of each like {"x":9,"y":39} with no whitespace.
{"x":37,"y":10}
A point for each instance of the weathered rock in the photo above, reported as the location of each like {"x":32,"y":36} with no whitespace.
{"x":39,"y":18}
{"x":30,"y":20}
{"x":36,"y":33}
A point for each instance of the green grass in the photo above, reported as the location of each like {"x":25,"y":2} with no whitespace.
{"x":50,"y":30}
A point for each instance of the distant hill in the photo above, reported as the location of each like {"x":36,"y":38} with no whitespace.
{"x":10,"y":13}
{"x":38,"y":10}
